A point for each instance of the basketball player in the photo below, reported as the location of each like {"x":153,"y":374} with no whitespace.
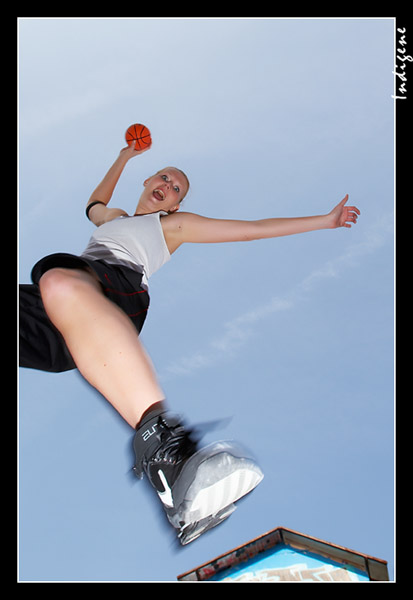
{"x":86,"y":312}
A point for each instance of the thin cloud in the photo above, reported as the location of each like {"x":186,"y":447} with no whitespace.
{"x":238,"y":331}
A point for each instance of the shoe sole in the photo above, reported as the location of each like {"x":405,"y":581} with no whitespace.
{"x":192,"y":531}
{"x":217,"y":476}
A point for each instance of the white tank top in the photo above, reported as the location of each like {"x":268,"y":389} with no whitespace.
{"x":137,"y":242}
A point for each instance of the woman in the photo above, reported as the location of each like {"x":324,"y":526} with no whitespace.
{"x":84,"y":312}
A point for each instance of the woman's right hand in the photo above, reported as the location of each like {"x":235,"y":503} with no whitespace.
{"x":130,"y":151}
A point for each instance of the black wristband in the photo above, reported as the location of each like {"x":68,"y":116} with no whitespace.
{"x":89,"y":206}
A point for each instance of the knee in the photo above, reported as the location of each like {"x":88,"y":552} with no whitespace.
{"x":57,"y":286}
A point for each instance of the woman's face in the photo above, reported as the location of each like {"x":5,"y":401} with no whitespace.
{"x":163,"y":191}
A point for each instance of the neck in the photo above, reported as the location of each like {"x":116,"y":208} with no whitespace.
{"x":141,"y":212}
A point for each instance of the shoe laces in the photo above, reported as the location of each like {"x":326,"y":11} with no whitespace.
{"x":176,"y":442}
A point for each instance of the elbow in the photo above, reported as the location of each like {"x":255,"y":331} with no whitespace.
{"x":255,"y":231}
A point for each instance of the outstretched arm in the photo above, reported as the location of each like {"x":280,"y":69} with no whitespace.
{"x":194,"y":228}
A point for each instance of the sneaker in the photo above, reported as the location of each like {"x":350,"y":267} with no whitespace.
{"x":197,"y":487}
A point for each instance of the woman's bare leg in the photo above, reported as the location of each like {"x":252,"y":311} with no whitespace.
{"x":102,"y":341}
{"x":105,"y":347}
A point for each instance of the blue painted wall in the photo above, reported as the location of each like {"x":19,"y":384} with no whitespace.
{"x":283,"y":563}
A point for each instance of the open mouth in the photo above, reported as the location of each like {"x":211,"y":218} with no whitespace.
{"x":158,"y":195}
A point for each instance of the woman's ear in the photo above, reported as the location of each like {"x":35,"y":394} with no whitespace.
{"x":174,"y":209}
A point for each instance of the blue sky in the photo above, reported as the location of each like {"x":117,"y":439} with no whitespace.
{"x":289,"y":341}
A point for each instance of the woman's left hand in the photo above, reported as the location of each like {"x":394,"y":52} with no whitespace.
{"x":343,"y":216}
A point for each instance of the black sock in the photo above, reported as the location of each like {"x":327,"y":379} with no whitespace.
{"x":152,"y":412}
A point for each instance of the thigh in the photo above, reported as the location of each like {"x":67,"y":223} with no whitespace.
{"x":65,"y":292}
{"x":59,"y":275}
{"x":119,"y":283}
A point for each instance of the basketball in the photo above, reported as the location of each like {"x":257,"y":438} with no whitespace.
{"x":140,"y":134}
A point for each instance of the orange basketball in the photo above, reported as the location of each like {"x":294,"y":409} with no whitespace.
{"x":140,"y":134}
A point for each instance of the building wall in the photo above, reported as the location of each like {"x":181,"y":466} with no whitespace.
{"x":283,"y":563}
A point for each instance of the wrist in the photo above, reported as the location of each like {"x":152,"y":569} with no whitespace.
{"x":327,"y":221}
{"x":123,"y":157}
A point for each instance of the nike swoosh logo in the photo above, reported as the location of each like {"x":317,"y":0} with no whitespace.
{"x":165,"y":496}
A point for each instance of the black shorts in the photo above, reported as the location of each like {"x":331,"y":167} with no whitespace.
{"x":41,"y":345}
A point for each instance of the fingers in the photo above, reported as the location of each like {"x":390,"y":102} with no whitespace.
{"x":141,"y":150}
{"x":346,"y":215}
{"x":132,"y":150}
{"x":351,"y":213}
{"x":349,"y":208}
{"x":132,"y":145}
{"x":351,"y":216}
